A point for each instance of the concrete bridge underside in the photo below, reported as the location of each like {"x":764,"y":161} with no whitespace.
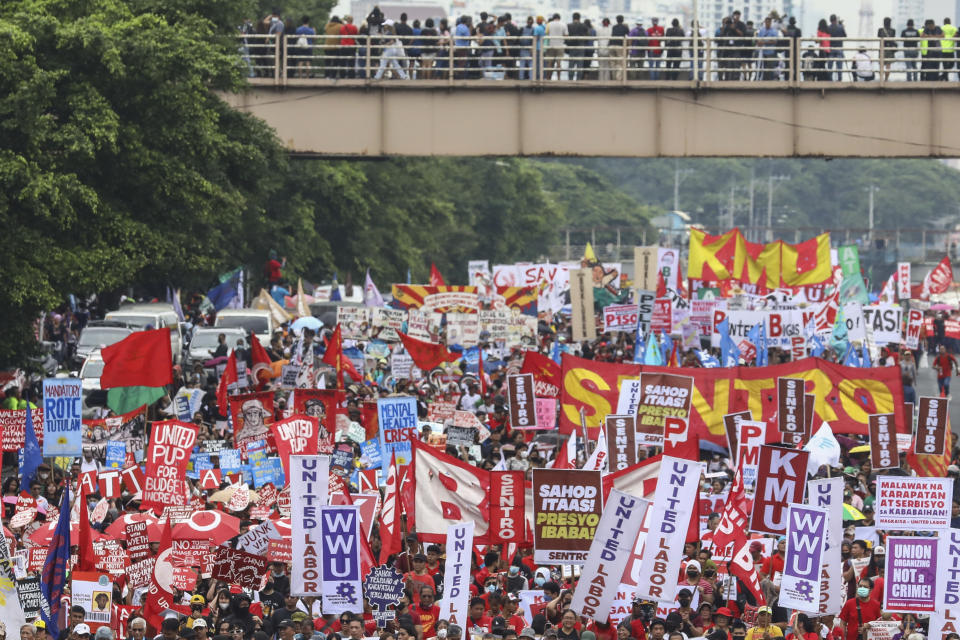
{"x":517,"y":119}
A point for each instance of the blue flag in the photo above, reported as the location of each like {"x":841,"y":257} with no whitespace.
{"x":639,"y":346}
{"x":758,"y":336}
{"x":708,"y":361}
{"x":851,"y":360}
{"x":651,"y":354}
{"x":222,"y":294}
{"x":729,"y":352}
{"x":32,"y":456}
{"x":865,"y":360}
{"x":816,"y":346}
{"x":556,"y":355}
{"x":667,"y":348}
{"x":54,"y":576}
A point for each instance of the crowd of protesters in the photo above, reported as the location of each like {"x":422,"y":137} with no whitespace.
{"x":500,"y":46}
{"x":708,"y":608}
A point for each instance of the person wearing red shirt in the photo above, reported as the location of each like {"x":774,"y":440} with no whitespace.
{"x":433,"y":559}
{"x":510,"y":613}
{"x":348,"y":47}
{"x":859,"y":611}
{"x":654,"y":33}
{"x":273,"y":268}
{"x":419,"y":578}
{"x":944,"y":363}
{"x":427,"y":611}
{"x":774,"y":564}
{"x":478,"y":616}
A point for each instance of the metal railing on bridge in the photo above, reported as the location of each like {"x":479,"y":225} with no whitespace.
{"x":680,"y":62}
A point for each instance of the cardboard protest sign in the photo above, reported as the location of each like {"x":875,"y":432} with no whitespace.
{"x":581,"y":304}
{"x":731,"y":424}
{"x":790,"y":403}
{"x":910,"y":581}
{"x":664,"y":406}
{"x":521,"y":401}
{"x":94,"y":592}
{"x":621,"y":441}
{"x":461,"y":436}
{"x":237,"y":567}
{"x":280,"y":551}
{"x":297,"y":435}
{"x":441,"y":411}
{"x":751,"y":437}
{"x":609,"y":552}
{"x":645,"y":267}
{"x":252,"y":415}
{"x":914,"y":325}
{"x":645,"y":305}
{"x":883,"y":442}
{"x":507,"y":505}
{"x":456,"y":597}
{"x":917,"y":504}
{"x":170,"y":445}
{"x":546,"y":409}
{"x":31,"y":597}
{"x":124,"y":433}
{"x":884,"y":321}
{"x":383,"y":588}
{"x":883,"y":629}
{"x":138,"y":541}
{"x":673,"y":502}
{"x":781,"y":480}
{"x":806,"y":536}
{"x":566,"y":508}
{"x":620,"y":317}
{"x":13,"y":424}
{"x":931,"y":426}
{"x":397,"y":417}
{"x":309,"y":478}
{"x":324,"y":405}
{"x":62,"y":417}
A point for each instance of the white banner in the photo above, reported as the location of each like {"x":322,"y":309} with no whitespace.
{"x":614,"y":539}
{"x":340,"y":532}
{"x":781,"y":325}
{"x":629,"y":397}
{"x":913,"y":504}
{"x":903,"y":280}
{"x":456,"y":583}
{"x":856,"y":327}
{"x":828,"y":493}
{"x":672,"y":506}
{"x":885,"y":322}
{"x":945,"y":620}
{"x":620,"y":317}
{"x":309,"y":477}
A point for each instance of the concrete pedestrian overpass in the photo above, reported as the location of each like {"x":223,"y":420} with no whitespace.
{"x":646,"y":119}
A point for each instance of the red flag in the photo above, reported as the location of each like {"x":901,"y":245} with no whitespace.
{"x":562,"y":461}
{"x":546,"y":374}
{"x":86,"y":558}
{"x":335,"y":358}
{"x":261,"y":362}
{"x":160,"y":596}
{"x":483,"y":380}
{"x":229,"y":377}
{"x":426,"y":355}
{"x":390,"y":533}
{"x":436,"y":280}
{"x":742,"y":567}
{"x":142,"y":359}
{"x":735,"y":516}
{"x":661,"y":285}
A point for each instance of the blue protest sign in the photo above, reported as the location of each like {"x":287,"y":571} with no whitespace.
{"x":371,"y":454}
{"x":62,"y":417}
{"x":398,"y":426}
{"x":383,"y":587}
{"x":116,"y":454}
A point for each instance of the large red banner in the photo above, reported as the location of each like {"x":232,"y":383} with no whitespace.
{"x":170,"y":445}
{"x":845,"y":397}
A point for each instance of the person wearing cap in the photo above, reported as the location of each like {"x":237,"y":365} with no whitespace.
{"x":197,"y":605}
{"x":693,"y":580}
{"x":764,"y":629}
{"x":419,"y":576}
{"x":637,"y":49}
{"x":200,"y":628}
{"x":285,"y":630}
{"x":527,"y":633}
{"x":687,"y":614}
{"x":82,"y":631}
{"x":511,"y":606}
{"x":722,"y":618}
{"x":404,"y":561}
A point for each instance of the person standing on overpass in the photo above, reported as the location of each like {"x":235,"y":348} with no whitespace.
{"x":948,"y":48}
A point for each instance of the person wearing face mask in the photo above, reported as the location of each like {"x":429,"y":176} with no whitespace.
{"x":687,"y":613}
{"x":279,"y":578}
{"x":516,"y":580}
{"x":541,"y":577}
{"x":859,"y":611}
{"x":220,"y":608}
{"x":240,"y":616}
{"x":197,"y":606}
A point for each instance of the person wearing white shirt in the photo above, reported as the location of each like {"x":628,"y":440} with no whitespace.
{"x":603,"y":50}
{"x":864,"y":68}
{"x":553,"y":44}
